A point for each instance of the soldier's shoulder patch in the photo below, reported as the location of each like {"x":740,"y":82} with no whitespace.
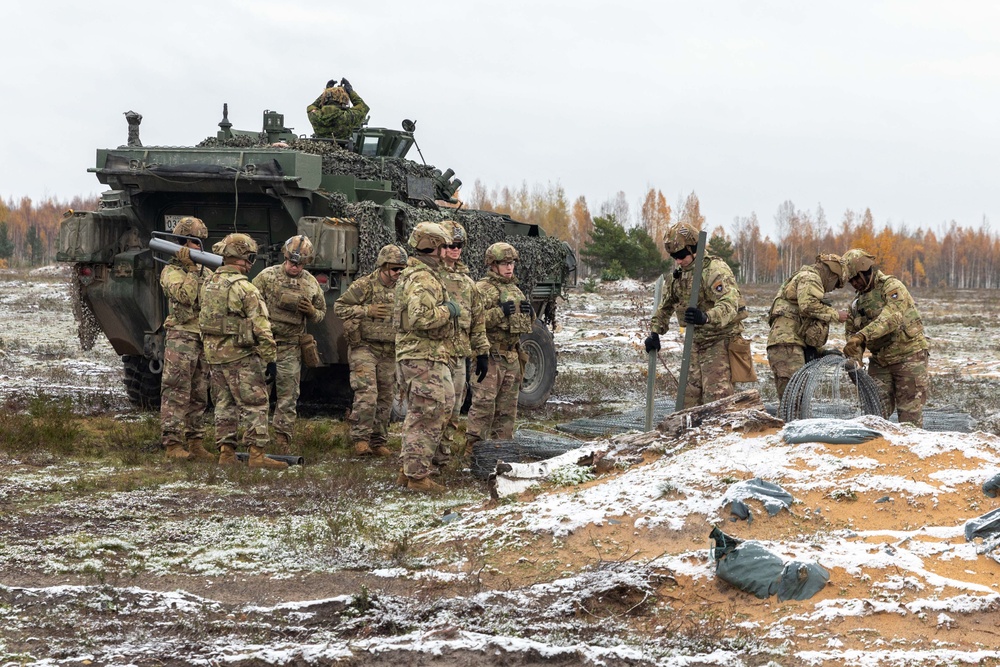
{"x":893,"y":295}
{"x":719,"y":286}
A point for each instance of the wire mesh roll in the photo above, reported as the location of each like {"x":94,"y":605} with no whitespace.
{"x":821,"y":379}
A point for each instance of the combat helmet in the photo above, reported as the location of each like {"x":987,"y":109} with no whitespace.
{"x":458,"y":234}
{"x":835,"y":264}
{"x":338,"y":95}
{"x":391,"y":254}
{"x":857,"y":261}
{"x":191,"y":226}
{"x":298,"y":250}
{"x":501,"y":252}
{"x":681,"y":236}
{"x":237,"y":245}
{"x":428,"y":236}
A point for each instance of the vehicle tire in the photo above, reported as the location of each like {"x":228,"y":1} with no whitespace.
{"x":142,"y":386}
{"x":540,"y":371}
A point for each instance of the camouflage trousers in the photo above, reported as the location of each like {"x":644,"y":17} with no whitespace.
{"x":241,"y":399}
{"x":494,"y":400}
{"x":458,"y":374}
{"x":430,"y":395}
{"x":373,"y":379}
{"x":286,"y":387}
{"x":709,"y":376}
{"x":785,"y":360}
{"x":904,"y":387}
{"x":183,"y":388}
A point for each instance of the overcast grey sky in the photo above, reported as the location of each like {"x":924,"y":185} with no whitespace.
{"x":890,"y":104}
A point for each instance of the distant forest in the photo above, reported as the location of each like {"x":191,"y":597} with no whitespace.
{"x":951,"y":256}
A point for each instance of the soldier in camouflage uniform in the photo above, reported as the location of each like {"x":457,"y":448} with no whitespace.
{"x":184,"y":385}
{"x":508,"y":315}
{"x":337,"y":112}
{"x":884,"y":320}
{"x":470,"y":338}
{"x":425,"y":319}
{"x":718,"y":317}
{"x":238,"y":345}
{"x":293,"y":299}
{"x":800,"y":319}
{"x":366,"y":309}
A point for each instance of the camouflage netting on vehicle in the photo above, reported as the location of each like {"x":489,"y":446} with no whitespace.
{"x":539,"y":256}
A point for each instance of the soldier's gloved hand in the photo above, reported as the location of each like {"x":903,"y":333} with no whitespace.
{"x":508,"y":308}
{"x":379,"y":311}
{"x":482,"y":367}
{"x":652,"y":342}
{"x":184,"y":257}
{"x":306,"y":307}
{"x":855,"y":347}
{"x":270,"y":371}
{"x":526,"y":308}
{"x":347,"y":86}
{"x":453,"y":309}
{"x":695,"y":316}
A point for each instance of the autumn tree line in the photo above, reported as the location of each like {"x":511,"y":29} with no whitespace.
{"x":625,"y":240}
{"x":952,"y":256}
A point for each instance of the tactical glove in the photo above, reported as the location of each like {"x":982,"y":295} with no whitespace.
{"x":855,"y":347}
{"x":526,"y":308}
{"x":379,"y":311}
{"x":347,"y":86}
{"x":270,"y":371}
{"x":453,"y":308}
{"x":184,"y":257}
{"x":482,"y":367}
{"x":306,"y":307}
{"x":652,"y":342}
{"x":508,"y":308}
{"x":695,"y":316}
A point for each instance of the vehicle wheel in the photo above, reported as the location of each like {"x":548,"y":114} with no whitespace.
{"x":141,"y":384}
{"x":540,"y":371}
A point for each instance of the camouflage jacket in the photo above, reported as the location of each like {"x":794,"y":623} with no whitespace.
{"x":281,"y":293}
{"x":503,"y":332}
{"x":719,"y":298}
{"x":798,"y":315}
{"x":888,"y":319}
{"x":424,"y":326}
{"x":182,"y":289}
{"x":360,"y":328}
{"x":470,"y":338}
{"x":233,"y":318}
{"x":329,"y":120}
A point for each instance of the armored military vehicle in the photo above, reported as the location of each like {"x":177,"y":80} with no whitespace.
{"x":350,"y":198}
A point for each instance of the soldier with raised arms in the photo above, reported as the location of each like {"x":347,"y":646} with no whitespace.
{"x":238,"y":347}
{"x":884,"y":320}
{"x":366,"y":309}
{"x":184,"y":384}
{"x":717,"y":318}
{"x":294,"y":299}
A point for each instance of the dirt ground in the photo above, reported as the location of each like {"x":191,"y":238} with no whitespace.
{"x":143,"y":564}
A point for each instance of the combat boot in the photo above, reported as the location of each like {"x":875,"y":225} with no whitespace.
{"x":402,"y":479}
{"x":227,"y":456}
{"x":382,"y":451}
{"x":362,"y":448}
{"x":425,"y":485}
{"x":177,"y":451}
{"x":282,"y":444}
{"x":198,"y":452}
{"x":470,"y":442}
{"x":258,"y":460}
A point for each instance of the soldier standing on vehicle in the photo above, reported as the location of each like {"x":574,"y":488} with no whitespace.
{"x":717,"y":318}
{"x":338,"y":111}
{"x":425,"y":319}
{"x":238,"y":346}
{"x":800,"y":319}
{"x":470,"y":336}
{"x":884,"y":320}
{"x":508,"y":315}
{"x":184,"y":384}
{"x":293,"y":299}
{"x":366,"y":309}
